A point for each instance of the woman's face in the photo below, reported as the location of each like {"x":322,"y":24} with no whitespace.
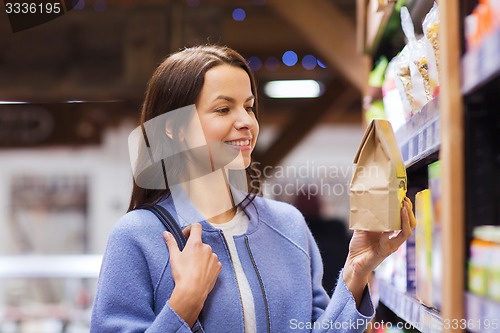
{"x":225,"y":109}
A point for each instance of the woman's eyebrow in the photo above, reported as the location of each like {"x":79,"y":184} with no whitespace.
{"x":232,"y":100}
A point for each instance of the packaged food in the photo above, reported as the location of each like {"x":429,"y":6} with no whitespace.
{"x":430,"y":27}
{"x":494,"y":273}
{"x":484,"y":266}
{"x":412,"y":69}
{"x":393,"y":105}
{"x":423,"y":235}
{"x":480,"y":251}
{"x":434,"y":173}
{"x":404,"y":83}
{"x":421,"y":61}
{"x":378,"y":186}
{"x":484,"y":20}
{"x":422,"y":80}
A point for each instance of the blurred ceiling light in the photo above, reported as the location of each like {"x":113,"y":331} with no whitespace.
{"x":255,"y":63}
{"x":239,"y":14}
{"x":293,"y":89}
{"x":12,"y":102}
{"x":290,"y":58}
{"x":321,"y":64}
{"x":309,"y":62}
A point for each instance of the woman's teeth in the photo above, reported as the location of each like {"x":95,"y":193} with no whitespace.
{"x":238,"y":143}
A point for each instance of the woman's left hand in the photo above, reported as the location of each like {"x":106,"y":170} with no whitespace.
{"x":368,"y":249}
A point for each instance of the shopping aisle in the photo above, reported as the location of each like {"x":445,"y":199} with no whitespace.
{"x":440,"y":93}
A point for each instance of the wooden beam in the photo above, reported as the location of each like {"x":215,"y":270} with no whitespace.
{"x":361,"y":25}
{"x":329,"y":31}
{"x":264,"y":33}
{"x":337,"y":97}
{"x":452,"y":164}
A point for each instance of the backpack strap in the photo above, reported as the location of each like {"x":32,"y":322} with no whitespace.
{"x":169,"y":222}
{"x":171,"y":225}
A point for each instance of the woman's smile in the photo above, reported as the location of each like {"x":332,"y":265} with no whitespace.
{"x":240,"y":144}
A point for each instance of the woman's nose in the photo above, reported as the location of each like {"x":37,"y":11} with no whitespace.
{"x":244,"y":119}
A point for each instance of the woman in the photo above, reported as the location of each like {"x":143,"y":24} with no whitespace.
{"x":250,"y":264}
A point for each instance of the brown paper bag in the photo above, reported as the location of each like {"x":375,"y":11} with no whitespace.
{"x":378,"y":185}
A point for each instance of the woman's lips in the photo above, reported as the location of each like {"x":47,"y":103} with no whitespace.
{"x":240,"y":144}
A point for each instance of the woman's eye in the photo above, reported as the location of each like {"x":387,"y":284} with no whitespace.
{"x":222,"y":110}
{"x":250,"y":108}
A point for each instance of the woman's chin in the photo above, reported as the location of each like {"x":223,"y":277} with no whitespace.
{"x":239,"y":163}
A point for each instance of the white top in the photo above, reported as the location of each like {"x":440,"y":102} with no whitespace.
{"x":238,"y":226}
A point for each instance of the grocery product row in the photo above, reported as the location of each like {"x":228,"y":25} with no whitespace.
{"x":406,"y":90}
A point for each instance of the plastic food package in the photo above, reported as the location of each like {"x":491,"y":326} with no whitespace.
{"x":422,"y":81}
{"x":393,"y":105}
{"x":421,"y":57}
{"x":416,"y":84}
{"x":404,"y":83}
{"x":430,"y":27}
{"x":421,"y":61}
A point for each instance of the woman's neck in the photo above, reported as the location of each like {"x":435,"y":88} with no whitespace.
{"x":211,"y":195}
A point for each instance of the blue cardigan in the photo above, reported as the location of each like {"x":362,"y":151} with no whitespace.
{"x":280,"y":258}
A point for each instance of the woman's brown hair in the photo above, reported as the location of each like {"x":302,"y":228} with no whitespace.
{"x":176,"y":83}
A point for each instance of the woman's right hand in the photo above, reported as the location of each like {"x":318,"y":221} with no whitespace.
{"x":195,"y":270}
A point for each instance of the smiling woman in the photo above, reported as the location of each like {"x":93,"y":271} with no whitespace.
{"x":249,"y":262}
{"x":219,"y":82}
{"x":226,"y":110}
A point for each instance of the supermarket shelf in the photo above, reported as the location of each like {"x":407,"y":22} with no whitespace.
{"x":53,"y":266}
{"x":408,"y":308}
{"x":420,"y":136}
{"x":483,"y":315}
{"x":482,"y":64}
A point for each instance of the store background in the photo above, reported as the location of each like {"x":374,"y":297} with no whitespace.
{"x":65,"y":171}
{"x":65,"y":176}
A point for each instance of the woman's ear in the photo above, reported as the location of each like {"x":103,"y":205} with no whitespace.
{"x":169,"y":131}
